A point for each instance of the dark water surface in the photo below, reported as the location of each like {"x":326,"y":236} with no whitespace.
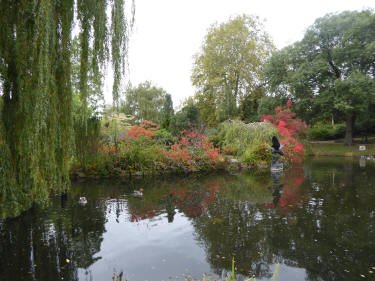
{"x":314,"y":222}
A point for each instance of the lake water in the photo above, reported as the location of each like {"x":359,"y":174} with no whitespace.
{"x":313,"y":222}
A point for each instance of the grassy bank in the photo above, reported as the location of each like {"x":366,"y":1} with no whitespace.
{"x":338,"y":149}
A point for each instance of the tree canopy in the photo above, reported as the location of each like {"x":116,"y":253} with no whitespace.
{"x":186,"y":119}
{"x":36,"y":87}
{"x":331,"y":70}
{"x":229,"y":66}
{"x":144,"y":102}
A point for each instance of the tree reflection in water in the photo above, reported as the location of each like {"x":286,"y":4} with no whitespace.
{"x":325,"y":227}
{"x":320,"y":217}
{"x":51,"y":244}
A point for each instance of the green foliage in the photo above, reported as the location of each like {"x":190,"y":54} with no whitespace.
{"x":94,"y":99}
{"x":331,"y":71}
{"x":86,"y":137}
{"x":136,"y":155}
{"x":365,"y":127}
{"x":113,"y":125}
{"x":240,"y":136}
{"x":257,"y":154}
{"x":267,"y":105}
{"x":167,"y":111}
{"x":36,"y":87}
{"x":214,"y":137}
{"x":229,"y":66}
{"x":227,"y":107}
{"x":164,"y":137}
{"x":185,"y":119}
{"x":145,"y":102}
{"x":323,"y":131}
{"x":249,"y":106}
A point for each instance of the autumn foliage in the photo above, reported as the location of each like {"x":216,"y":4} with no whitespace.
{"x":138,"y":151}
{"x":290,"y":129}
{"x":136,"y":132}
{"x":193,"y":152}
{"x":149,"y":125}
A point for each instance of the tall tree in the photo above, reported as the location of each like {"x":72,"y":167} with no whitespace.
{"x":332,"y":70}
{"x":167,"y":111}
{"x":186,"y":119}
{"x":249,"y":105}
{"x":229,"y":65}
{"x":144,"y":102}
{"x":36,"y":88}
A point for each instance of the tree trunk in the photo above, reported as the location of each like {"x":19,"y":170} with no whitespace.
{"x":349,"y":130}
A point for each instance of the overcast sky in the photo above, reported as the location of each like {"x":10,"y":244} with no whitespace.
{"x":167,"y":33}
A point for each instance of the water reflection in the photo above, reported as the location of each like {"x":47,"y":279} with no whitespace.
{"x":51,"y":244}
{"x":317,"y":221}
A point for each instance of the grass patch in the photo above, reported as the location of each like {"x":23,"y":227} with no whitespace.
{"x":338,"y":149}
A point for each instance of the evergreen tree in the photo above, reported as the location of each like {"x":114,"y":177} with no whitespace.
{"x":167,"y":111}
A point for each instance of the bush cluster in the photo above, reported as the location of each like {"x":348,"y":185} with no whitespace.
{"x":323,"y":131}
{"x":145,"y":151}
{"x":248,"y":142}
{"x":238,"y":136}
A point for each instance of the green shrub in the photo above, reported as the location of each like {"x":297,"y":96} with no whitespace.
{"x":322,"y":131}
{"x":137,"y":157}
{"x":240,"y":136}
{"x":257,"y":154}
{"x":185,"y":119}
{"x":364,"y":127}
{"x":164,"y":137}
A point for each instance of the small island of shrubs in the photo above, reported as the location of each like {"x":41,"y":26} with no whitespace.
{"x":147,"y":149}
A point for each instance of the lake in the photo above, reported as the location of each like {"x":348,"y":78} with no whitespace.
{"x":315,"y":221}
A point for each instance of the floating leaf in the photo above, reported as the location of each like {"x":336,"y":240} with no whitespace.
{"x":67,"y":261}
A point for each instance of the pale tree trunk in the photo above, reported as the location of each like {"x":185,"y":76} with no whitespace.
{"x":349,"y":130}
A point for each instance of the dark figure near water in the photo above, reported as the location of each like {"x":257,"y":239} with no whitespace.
{"x":277,"y":186}
{"x":276,"y":149}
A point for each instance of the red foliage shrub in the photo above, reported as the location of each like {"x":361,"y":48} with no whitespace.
{"x":107,"y":148}
{"x":290,"y":129}
{"x":149,"y":125}
{"x":136,"y":132}
{"x":193,"y":150}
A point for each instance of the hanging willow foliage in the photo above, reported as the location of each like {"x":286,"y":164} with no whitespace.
{"x":36,"y":90}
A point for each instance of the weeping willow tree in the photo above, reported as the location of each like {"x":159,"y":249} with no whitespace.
{"x":36,"y":87}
